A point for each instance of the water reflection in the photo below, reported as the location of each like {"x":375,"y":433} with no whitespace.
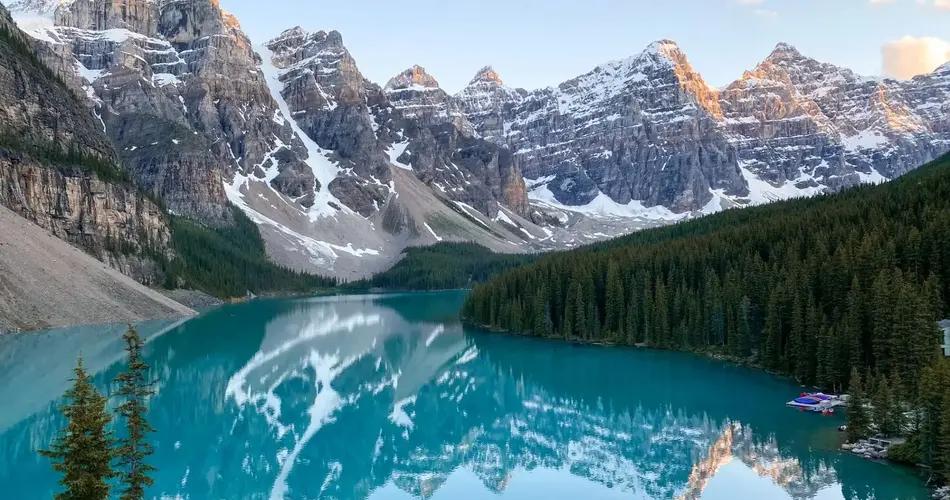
{"x":388,"y":397}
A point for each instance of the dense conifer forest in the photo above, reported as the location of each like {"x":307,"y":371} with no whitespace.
{"x":811,"y":288}
{"x":231,"y":261}
{"x":443,"y":266}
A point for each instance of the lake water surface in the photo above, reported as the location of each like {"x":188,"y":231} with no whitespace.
{"x":388,"y":397}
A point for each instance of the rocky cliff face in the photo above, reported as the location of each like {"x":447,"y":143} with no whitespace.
{"x":44,"y":179}
{"x":178,"y":89}
{"x":799,"y":122}
{"x":331,"y":102}
{"x":98,"y":216}
{"x":441,"y":146}
{"x":648,"y":131}
{"x":341,"y":173}
{"x":486,"y":101}
{"x":643,"y":129}
{"x":410,"y":123}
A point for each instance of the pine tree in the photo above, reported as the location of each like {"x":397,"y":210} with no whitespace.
{"x":661,"y":328}
{"x":542,"y":313}
{"x":631,"y":317}
{"x":897,"y":418}
{"x":797,"y":359}
{"x":858,"y":424}
{"x":853,"y":326}
{"x":942,"y":458}
{"x":883,"y":406}
{"x":83,"y":451}
{"x":134,"y":448}
{"x":615,"y":301}
{"x":932,"y":391}
{"x":772,"y":350}
{"x":745,"y":327}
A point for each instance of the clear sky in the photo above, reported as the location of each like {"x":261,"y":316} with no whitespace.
{"x":537,"y":43}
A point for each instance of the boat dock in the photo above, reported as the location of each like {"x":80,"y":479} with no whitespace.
{"x":818,"y":402}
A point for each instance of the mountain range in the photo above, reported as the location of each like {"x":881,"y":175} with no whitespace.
{"x":342,"y":174}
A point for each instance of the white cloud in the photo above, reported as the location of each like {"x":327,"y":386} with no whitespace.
{"x":768,"y":14}
{"x":912,"y":56}
{"x":942,"y":4}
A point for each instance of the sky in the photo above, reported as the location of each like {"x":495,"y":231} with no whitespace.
{"x":539,"y":43}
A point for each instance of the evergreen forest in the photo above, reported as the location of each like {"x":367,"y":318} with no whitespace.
{"x":231,"y":261}
{"x":443,"y":266}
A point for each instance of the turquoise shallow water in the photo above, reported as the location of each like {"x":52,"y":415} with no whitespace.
{"x":388,"y":397}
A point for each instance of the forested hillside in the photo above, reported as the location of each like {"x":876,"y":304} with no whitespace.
{"x":810,"y":288}
{"x":443,"y":266}
{"x":231,"y":261}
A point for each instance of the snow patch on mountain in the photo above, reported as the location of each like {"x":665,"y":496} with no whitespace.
{"x":601,"y":206}
{"x":761,"y":192}
{"x":865,"y":139}
{"x":323,"y":169}
{"x":395,"y":151}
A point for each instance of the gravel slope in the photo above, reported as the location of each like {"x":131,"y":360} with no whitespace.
{"x":45,"y":282}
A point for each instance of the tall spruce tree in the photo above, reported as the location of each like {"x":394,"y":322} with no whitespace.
{"x":134,"y":448}
{"x":897,"y":419}
{"x":82,"y":452}
{"x":858,"y":424}
{"x":942,"y":458}
{"x":883,"y":403}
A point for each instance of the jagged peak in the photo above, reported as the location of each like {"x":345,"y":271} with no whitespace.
{"x":661,"y":54}
{"x":784,"y":52}
{"x":299,"y":34}
{"x":663,"y":47}
{"x":289,"y":34}
{"x":416,"y":76}
{"x":230,"y":20}
{"x":945,"y":68}
{"x":487,"y":75}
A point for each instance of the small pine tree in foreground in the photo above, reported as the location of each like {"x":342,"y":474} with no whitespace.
{"x":82,"y":452}
{"x":135,"y":387}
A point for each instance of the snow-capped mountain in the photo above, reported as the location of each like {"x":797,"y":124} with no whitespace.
{"x":342,"y":174}
{"x":486,"y":100}
{"x":647,"y":131}
{"x":297,"y":139}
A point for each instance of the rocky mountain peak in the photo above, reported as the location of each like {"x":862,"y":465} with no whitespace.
{"x":784,"y":52}
{"x":230,"y":20}
{"x":296,"y":37}
{"x":667,"y":55}
{"x":943,"y":69}
{"x":413,"y":77}
{"x":666,"y":48}
{"x":295,"y":33}
{"x":487,"y":75}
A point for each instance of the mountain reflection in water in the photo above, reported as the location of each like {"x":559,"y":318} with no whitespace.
{"x":388,"y":397}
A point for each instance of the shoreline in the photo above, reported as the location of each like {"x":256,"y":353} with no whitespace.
{"x":702,"y":354}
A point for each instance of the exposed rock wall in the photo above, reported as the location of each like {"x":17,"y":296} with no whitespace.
{"x":43,"y":120}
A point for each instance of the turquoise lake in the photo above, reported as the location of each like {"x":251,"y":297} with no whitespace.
{"x":389,"y":397}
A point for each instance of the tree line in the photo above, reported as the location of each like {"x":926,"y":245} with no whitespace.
{"x":442,"y":266}
{"x":230,"y":261}
{"x":816,"y":289}
{"x":87,"y":453}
